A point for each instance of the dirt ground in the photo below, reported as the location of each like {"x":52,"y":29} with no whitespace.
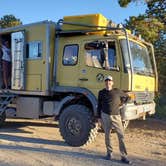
{"x":38,"y":143}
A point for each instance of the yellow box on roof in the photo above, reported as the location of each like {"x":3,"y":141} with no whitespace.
{"x":89,"y":19}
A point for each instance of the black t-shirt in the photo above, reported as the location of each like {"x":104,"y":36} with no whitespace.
{"x":110,"y":100}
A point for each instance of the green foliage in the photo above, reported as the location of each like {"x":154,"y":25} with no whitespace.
{"x":152,"y":24}
{"x":161,"y":66}
{"x":160,"y":107}
{"x":157,"y":9}
{"x":124,"y":3}
{"x":149,"y":28}
{"x":152,"y":27}
{"x":9,"y":21}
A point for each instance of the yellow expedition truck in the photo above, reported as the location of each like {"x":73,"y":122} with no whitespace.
{"x":58,"y":69}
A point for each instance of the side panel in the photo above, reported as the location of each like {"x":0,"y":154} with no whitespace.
{"x":143,"y":83}
{"x":67,"y":75}
{"x":29,"y":107}
{"x":34,"y":81}
{"x":35,"y":75}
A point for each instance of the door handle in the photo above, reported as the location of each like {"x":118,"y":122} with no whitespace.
{"x":83,"y":79}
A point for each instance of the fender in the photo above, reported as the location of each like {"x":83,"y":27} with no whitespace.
{"x":84,"y":91}
{"x":63,"y":101}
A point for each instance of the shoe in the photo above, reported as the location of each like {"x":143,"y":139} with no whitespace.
{"x":108,"y":157}
{"x":125,"y":160}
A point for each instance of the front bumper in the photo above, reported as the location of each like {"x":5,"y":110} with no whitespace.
{"x":132,"y":111}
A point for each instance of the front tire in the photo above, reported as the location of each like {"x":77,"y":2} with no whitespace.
{"x":77,"y":126}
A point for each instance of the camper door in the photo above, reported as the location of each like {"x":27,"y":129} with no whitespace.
{"x":17,"y":60}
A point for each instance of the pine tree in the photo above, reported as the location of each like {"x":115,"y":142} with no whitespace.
{"x":9,"y":21}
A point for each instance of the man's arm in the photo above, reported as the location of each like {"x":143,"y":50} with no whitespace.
{"x":124,"y":97}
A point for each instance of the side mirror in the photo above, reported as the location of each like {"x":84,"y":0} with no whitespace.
{"x":115,"y":68}
{"x":103,"y":55}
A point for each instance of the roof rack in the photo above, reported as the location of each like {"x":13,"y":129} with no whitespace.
{"x":92,"y":28}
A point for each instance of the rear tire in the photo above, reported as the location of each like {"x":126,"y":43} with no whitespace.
{"x":77,"y":125}
{"x":2,"y":118}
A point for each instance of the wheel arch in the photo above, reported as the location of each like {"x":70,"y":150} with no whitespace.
{"x":73,"y":96}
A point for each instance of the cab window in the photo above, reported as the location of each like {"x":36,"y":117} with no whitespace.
{"x":93,"y":58}
{"x":101,"y":55}
{"x":112,"y":55}
{"x":70,"y":55}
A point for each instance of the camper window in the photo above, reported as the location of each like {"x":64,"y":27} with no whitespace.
{"x":70,"y":55}
{"x":34,"y":50}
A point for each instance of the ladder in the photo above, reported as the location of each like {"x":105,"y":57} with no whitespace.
{"x":5,"y":99}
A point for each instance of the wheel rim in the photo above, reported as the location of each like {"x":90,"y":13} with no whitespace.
{"x":74,"y":126}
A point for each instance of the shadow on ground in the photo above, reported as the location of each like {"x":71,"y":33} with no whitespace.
{"x":16,"y":126}
{"x":83,"y":155}
{"x":18,"y":139}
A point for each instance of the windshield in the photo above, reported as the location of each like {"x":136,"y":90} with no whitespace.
{"x":142,"y":63}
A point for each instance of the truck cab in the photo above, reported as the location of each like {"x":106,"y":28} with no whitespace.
{"x":87,"y":59}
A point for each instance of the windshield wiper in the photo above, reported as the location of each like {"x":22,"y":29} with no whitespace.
{"x":149,"y":73}
{"x":140,"y":72}
{"x":143,"y":72}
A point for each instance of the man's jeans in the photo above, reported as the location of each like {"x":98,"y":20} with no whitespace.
{"x":109,"y":121}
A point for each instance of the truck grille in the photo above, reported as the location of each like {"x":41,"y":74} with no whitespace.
{"x":144,"y":97}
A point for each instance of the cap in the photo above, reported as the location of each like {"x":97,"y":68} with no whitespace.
{"x":108,"y":78}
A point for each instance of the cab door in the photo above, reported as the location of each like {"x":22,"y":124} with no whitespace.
{"x":97,"y":62}
{"x":68,"y":63}
{"x":18,"y":47}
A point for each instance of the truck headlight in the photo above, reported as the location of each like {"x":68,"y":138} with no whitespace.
{"x":132,"y":96}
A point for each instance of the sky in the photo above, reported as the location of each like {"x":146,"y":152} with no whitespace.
{"x":29,"y":11}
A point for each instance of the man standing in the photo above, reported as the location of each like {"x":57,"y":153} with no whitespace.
{"x":109,"y":101}
{"x":6,"y":64}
